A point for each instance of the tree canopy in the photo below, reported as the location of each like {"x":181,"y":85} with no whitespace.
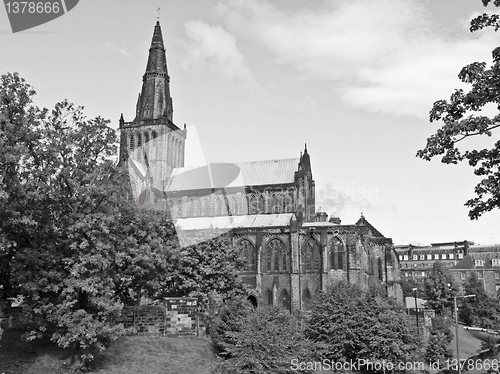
{"x":73,"y":244}
{"x":349,"y":324}
{"x":462,"y":119}
{"x":440,"y":288}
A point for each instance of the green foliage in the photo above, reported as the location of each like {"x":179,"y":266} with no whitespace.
{"x":409,"y":285}
{"x":440,"y":288}
{"x":349,"y":324}
{"x":481,"y":310}
{"x":440,"y":338}
{"x":209,"y":266}
{"x":72,"y":242}
{"x":228,"y":320}
{"x":264,"y":340}
{"x":462,"y":119}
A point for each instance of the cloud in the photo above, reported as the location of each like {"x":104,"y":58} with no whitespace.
{"x":348,"y":201}
{"x":383,"y":56}
{"x":118,"y":49}
{"x":216,"y":48}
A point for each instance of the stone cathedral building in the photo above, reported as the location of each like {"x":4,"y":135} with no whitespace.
{"x":266,"y":207}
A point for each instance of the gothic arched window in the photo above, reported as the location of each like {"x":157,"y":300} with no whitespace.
{"x":179,"y":208}
{"x":262,"y":205}
{"x":196,"y":208}
{"x":203,"y":207}
{"x":311,"y":258}
{"x":337,"y":254}
{"x":131,"y":145}
{"x":247,"y":255}
{"x":232,"y":206}
{"x":190,"y":208}
{"x":277,"y":256}
{"x":217,"y":206}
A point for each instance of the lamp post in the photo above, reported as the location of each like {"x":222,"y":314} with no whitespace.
{"x":416,"y":308}
{"x":456,"y":326}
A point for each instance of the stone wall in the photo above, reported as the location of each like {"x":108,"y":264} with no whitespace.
{"x":178,"y":316}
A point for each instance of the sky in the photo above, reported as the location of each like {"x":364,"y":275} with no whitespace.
{"x":257,"y":79}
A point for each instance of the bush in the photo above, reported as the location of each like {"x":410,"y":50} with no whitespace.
{"x":264,"y":340}
{"x":349,"y":324}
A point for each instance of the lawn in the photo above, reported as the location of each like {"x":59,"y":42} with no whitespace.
{"x":129,"y":355}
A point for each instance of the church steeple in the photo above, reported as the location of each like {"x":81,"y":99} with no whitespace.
{"x":154,"y":100}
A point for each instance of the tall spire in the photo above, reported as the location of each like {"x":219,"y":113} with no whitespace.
{"x":154,"y":100}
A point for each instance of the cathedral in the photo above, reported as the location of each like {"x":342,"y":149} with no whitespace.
{"x":267,"y":208}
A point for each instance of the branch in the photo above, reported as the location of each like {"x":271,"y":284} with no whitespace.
{"x":476,"y":133}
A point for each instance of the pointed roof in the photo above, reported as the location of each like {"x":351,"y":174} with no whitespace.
{"x":363,"y":222}
{"x":154,"y":100}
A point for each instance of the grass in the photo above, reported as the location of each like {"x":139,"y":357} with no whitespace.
{"x":128,"y":355}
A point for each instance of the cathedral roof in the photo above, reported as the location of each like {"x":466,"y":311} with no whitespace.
{"x":222,"y":175}
{"x":233,"y":222}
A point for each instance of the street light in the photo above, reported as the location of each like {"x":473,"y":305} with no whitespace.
{"x":456,"y":326}
{"x":416,"y":308}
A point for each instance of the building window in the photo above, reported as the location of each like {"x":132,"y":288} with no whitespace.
{"x":495,"y":262}
{"x":415,"y":257}
{"x":311,"y":258}
{"x":479,"y":262}
{"x":462,"y":275}
{"x":479,"y":275}
{"x":429,"y":257}
{"x":451,"y":256}
{"x":247,"y":255}
{"x":337,"y":254}
{"x":190,"y":208}
{"x":405,"y":257}
{"x":497,"y":275}
{"x":460,"y":256}
{"x":400,"y":257}
{"x":203,"y":207}
{"x":422,"y":257}
{"x":179,"y":208}
{"x":277,"y":256}
{"x":443,"y":256}
{"x":436,"y":257}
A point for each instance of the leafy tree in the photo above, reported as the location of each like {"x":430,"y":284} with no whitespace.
{"x":264,"y":340}
{"x":409,"y":285}
{"x":440,"y":338}
{"x":469,"y":308}
{"x":206,"y":266}
{"x":349,"y":324}
{"x":72,"y":242}
{"x":440,"y":288}
{"x":481,"y":310}
{"x":462,"y":119}
{"x":227,"y":320}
